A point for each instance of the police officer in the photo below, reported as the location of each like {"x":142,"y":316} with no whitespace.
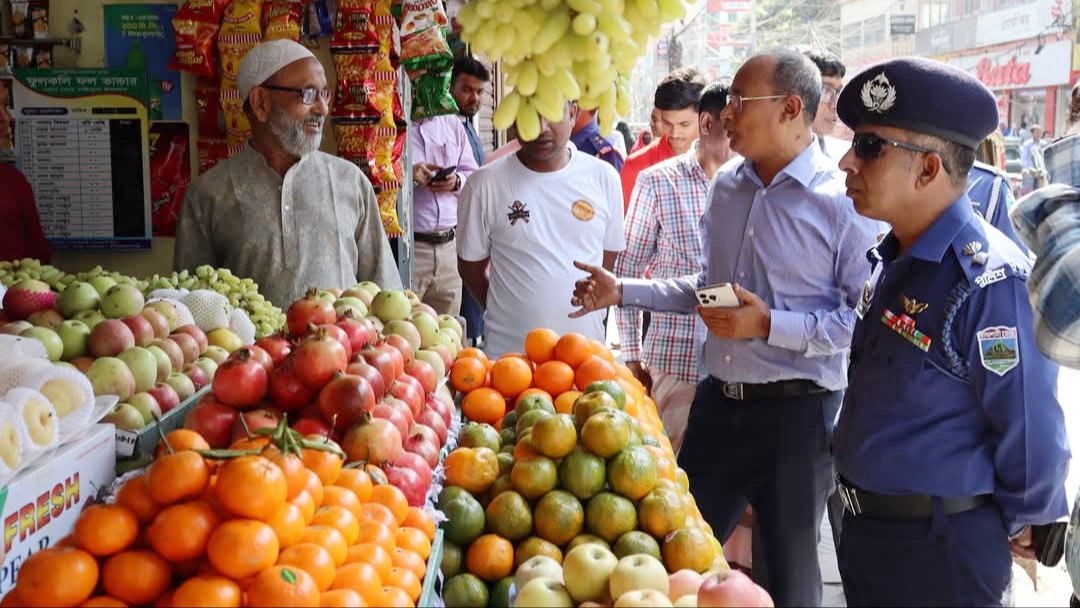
{"x":586,"y":136}
{"x":992,"y":197}
{"x":951,"y":442}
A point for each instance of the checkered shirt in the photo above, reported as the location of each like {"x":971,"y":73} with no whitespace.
{"x":663,"y":238}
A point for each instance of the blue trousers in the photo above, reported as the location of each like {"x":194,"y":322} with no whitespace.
{"x":948,"y":560}
{"x":473,"y":313}
{"x":774,"y":455}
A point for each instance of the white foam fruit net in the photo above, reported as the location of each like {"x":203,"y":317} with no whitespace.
{"x":241,"y":325}
{"x":36,"y":420}
{"x":209,"y":308}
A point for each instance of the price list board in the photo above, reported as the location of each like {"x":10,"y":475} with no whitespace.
{"x":81,"y":142}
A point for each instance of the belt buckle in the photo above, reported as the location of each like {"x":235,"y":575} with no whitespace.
{"x":733,"y":390}
{"x":850,"y":498}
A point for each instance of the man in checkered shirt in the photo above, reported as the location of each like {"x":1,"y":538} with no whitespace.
{"x":663,"y":238}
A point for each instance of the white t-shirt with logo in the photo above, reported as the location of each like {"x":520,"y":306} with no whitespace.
{"x":533,"y":226}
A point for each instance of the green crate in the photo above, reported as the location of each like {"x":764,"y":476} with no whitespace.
{"x":136,"y":448}
{"x":434,"y":565}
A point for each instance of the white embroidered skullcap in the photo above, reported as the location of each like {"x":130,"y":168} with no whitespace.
{"x":265,"y":60}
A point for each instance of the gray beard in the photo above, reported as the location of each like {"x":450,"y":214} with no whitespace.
{"x":290,"y":132}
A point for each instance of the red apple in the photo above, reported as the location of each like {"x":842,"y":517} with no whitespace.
{"x":189,"y":346}
{"x":158,"y":321}
{"x":166,"y":396}
{"x":211,"y":419}
{"x":444,"y":353}
{"x":109,"y":338}
{"x":82,"y":363}
{"x":732,"y":588}
{"x":197,"y":374}
{"x":172,"y":350}
{"x":194,"y":332}
{"x":140,"y":328}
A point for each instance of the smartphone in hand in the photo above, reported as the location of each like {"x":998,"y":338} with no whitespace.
{"x":443,"y":173}
{"x":721,"y":295}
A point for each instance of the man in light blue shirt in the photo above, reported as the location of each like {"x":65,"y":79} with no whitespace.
{"x":780,"y":227}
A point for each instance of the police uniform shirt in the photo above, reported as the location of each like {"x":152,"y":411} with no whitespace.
{"x":992,"y":198}
{"x":948,"y":395}
{"x":589,"y":141}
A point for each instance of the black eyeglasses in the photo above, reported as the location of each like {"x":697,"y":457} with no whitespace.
{"x":868,"y":146}
{"x":307,"y":94}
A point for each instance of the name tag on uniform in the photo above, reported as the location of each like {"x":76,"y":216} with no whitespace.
{"x":905,"y":326}
{"x":863,"y":306}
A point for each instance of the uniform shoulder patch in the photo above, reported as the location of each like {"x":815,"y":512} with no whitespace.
{"x":999,"y":349}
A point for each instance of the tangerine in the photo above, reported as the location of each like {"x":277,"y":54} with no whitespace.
{"x":102,"y":601}
{"x":558,"y":517}
{"x":293,"y":468}
{"x":313,"y":559}
{"x":288,"y":524}
{"x":484,"y":404}
{"x":594,"y":369}
{"x":473,"y":353}
{"x":511,"y":375}
{"x":601,"y":350}
{"x":573,"y":349}
{"x":372,"y":555}
{"x":473,"y":469}
{"x":177,"y":476}
{"x":392,"y":498}
{"x":555,"y":377}
{"x":306,"y":504}
{"x":180,"y":439}
{"x":408,"y":560}
{"x":40,"y":573}
{"x":359,"y":577}
{"x":411,"y":539}
{"x":421,"y":520}
{"x":373,"y":511}
{"x":406,"y":581}
{"x":377,"y":533}
{"x":395,"y":597}
{"x":252,"y":487}
{"x":106,"y":529}
{"x":282,"y":586}
{"x":208,"y":591}
{"x":342,"y":598}
{"x":540,"y":344}
{"x":529,"y":392}
{"x":136,"y":577}
{"x":533,"y":546}
{"x":136,"y":496}
{"x":490,"y":557}
{"x":336,"y":496}
{"x":356,"y":480}
{"x":241,"y":548}
{"x":688,"y":548}
{"x":564,"y":403}
{"x":340,"y":518}
{"x":468,"y":374}
{"x":330,"y":539}
{"x":324,"y":463}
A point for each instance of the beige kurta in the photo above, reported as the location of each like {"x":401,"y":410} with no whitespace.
{"x":319,"y":226}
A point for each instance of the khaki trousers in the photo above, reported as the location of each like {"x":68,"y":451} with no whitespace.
{"x":673,"y":400}
{"x":435,"y":276}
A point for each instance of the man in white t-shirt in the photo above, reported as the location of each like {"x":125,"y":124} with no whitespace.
{"x":522,"y":220}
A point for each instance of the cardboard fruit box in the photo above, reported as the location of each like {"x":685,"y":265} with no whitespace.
{"x":138,"y":446}
{"x":40,"y":505}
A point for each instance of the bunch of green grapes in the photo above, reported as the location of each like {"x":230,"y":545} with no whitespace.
{"x":242,"y":293}
{"x":554,"y":51}
{"x":88,"y":276}
{"x":30,"y":268}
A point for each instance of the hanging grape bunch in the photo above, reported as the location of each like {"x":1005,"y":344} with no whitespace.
{"x":554,"y":51}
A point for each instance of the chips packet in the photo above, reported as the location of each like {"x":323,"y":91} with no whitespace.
{"x":196,"y":24}
{"x":283,"y":19}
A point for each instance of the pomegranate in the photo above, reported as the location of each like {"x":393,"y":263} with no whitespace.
{"x":277,"y":346}
{"x":395,"y":414}
{"x":423,"y":442}
{"x":411,"y":460}
{"x":212,"y":419}
{"x":402,"y":345}
{"x":260,"y":356}
{"x":345,"y":399}
{"x":27,"y":296}
{"x":313,"y":427}
{"x":424,"y":373}
{"x":440,"y":407}
{"x":382,"y":361}
{"x":339,"y":334}
{"x":404,"y":389}
{"x":369,"y":373}
{"x":241,"y":381}
{"x":309,"y":310}
{"x":360,"y":331}
{"x":255,"y":419}
{"x":286,"y":389}
{"x":374,"y":440}
{"x":410,"y":483}
{"x":317,"y":358}
{"x":396,"y":358}
{"x":433,"y":420}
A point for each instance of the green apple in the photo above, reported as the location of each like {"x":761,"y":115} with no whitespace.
{"x":433,"y":359}
{"x":111,"y":376}
{"x":405,"y":329}
{"x":586,"y":571}
{"x":370,"y":287}
{"x":143,"y":365}
{"x":76,"y":336}
{"x":54,"y":346}
{"x":122,"y":301}
{"x":102,"y":283}
{"x":390,"y":305}
{"x":90,"y":317}
{"x":450,"y":321}
{"x":427,"y":325}
{"x":183,"y":385}
{"x":126,"y":417}
{"x":543,"y":592}
{"x":147,"y":406}
{"x":164,"y":363}
{"x":216,"y":353}
{"x":208,"y":365}
{"x":77,"y":297}
{"x":637,"y":572}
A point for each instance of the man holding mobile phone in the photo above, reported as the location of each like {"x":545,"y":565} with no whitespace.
{"x":443,"y":162}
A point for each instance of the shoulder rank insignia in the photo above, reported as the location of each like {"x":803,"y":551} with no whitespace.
{"x":999,"y":349}
{"x":913,"y":306}
{"x":974,"y":249}
{"x":905,"y":326}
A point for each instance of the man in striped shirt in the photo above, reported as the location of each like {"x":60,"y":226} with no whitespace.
{"x":663,"y":238}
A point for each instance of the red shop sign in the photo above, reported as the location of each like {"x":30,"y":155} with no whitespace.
{"x":1012,"y":73}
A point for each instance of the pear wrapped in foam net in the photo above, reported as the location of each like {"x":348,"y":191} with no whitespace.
{"x":10,"y":442}
{"x":182,"y":312}
{"x":241,"y":325}
{"x":18,"y":347}
{"x":175,"y":294}
{"x":69,"y":391}
{"x":36,"y":420}
{"x":209,"y":308}
{"x":17,"y":372}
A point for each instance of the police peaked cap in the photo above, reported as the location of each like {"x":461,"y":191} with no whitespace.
{"x":920,"y":95}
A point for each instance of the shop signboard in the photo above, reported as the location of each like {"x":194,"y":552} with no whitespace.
{"x":1020,"y":68}
{"x":82,"y":144}
{"x":141,"y":37}
{"x":1016,"y":23}
{"x":901,"y":25}
{"x":946,"y":38}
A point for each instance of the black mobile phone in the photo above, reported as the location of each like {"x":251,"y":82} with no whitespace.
{"x":1048,"y":541}
{"x":443,"y":173}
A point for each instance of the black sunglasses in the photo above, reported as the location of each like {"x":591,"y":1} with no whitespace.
{"x":868,"y":146}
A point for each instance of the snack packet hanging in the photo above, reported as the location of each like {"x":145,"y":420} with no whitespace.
{"x":431,"y":94}
{"x":353,"y":139}
{"x":381,"y":153}
{"x":423,"y":35}
{"x":398,"y":152}
{"x":241,"y":31}
{"x":283,"y":19}
{"x":196,"y":24}
{"x":388,"y":199}
{"x":359,"y":94}
{"x":208,"y":109}
{"x":211,"y":152}
{"x":354,"y":25}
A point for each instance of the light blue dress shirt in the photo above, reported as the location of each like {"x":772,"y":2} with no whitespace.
{"x":796,"y":243}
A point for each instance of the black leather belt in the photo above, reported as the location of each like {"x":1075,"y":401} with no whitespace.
{"x":742,"y":391}
{"x":434,"y":238}
{"x":907,"y":506}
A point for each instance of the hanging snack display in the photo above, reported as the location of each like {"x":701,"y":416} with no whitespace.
{"x":283,"y":20}
{"x":197,"y":23}
{"x":431,"y":93}
{"x":426,"y":55}
{"x":241,"y":31}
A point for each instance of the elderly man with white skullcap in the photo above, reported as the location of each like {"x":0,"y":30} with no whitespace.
{"x":281,"y":212}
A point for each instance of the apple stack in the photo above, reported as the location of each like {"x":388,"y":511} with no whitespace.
{"x":362,"y":368}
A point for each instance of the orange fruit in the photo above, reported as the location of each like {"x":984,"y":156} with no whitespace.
{"x":373,"y":511}
{"x":555,"y":377}
{"x":531,"y":391}
{"x":136,"y":577}
{"x":688,"y":548}
{"x":377,"y":533}
{"x":282,"y":586}
{"x":533,"y":546}
{"x":564,"y":403}
{"x":392,"y":498}
{"x":342,"y":598}
{"x":473,"y":469}
{"x":395,"y":597}
{"x":42,"y":571}
{"x":293,"y":468}
{"x":288,"y":524}
{"x":207,"y":591}
{"x":485,"y":405}
{"x":251,"y":487}
{"x":540,"y":345}
{"x":411,"y":539}
{"x":336,"y":496}
{"x":602,"y":351}
{"x":490,"y":557}
{"x":372,"y":555}
{"x":315,"y":487}
{"x":473,"y":353}
{"x":306,"y":504}
{"x":313,"y":559}
{"x":340,"y":518}
{"x":166,"y":601}
{"x":241,"y":548}
{"x":136,"y":496}
{"x":356,"y":480}
{"x":359,"y":577}
{"x":511,"y":375}
{"x":408,"y":560}
{"x":468,"y":374}
{"x":573,"y":349}
{"x":181,"y":439}
{"x":255,"y":442}
{"x":101,"y":601}
{"x":419,"y":519}
{"x":106,"y":529}
{"x":592,"y":370}
{"x":558,"y":517}
{"x":177,"y":476}
{"x":330,"y":539}
{"x":327,"y":465}
{"x":405,"y":580}
{"x":661,"y":512}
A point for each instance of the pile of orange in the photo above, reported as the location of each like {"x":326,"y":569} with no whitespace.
{"x":274,"y":529}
